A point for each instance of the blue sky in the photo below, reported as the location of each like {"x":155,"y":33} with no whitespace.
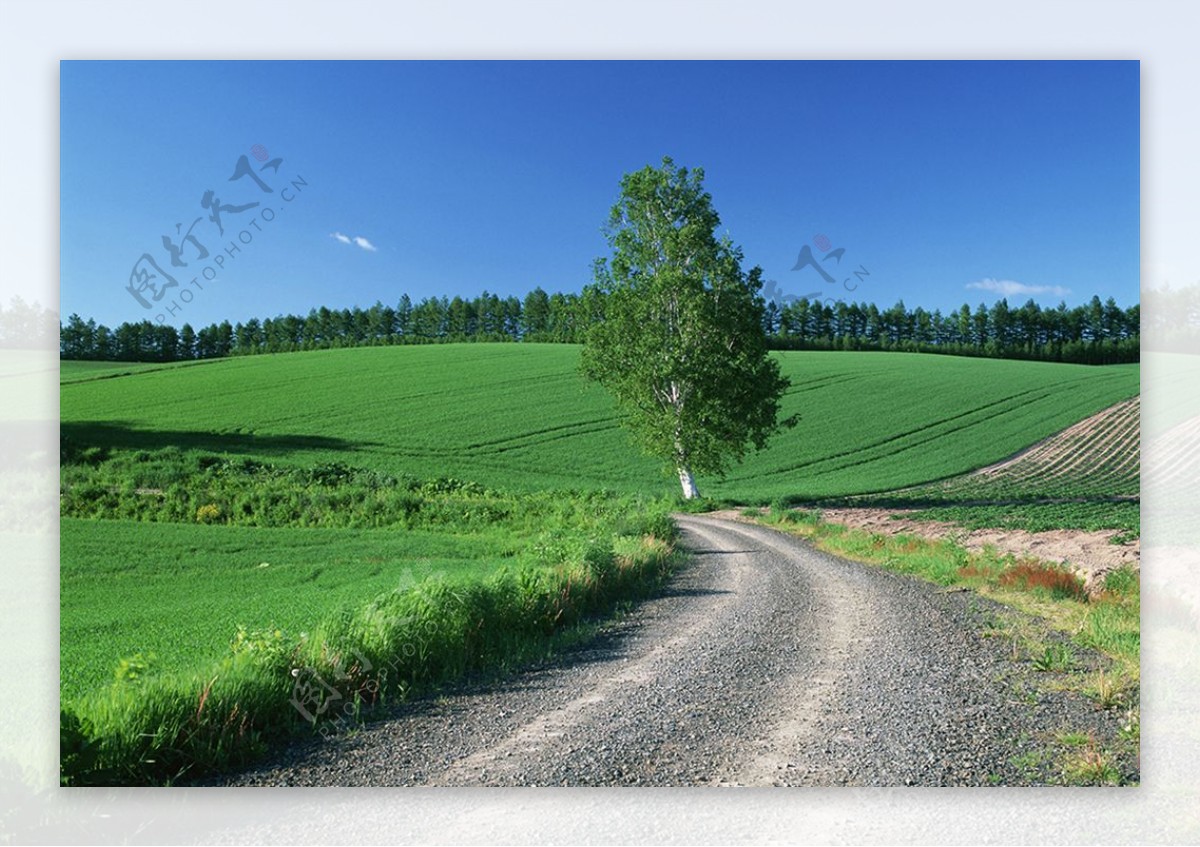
{"x":948,"y":182}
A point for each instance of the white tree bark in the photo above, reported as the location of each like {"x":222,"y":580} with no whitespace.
{"x":690,"y":492}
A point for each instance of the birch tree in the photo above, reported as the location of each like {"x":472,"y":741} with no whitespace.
{"x":680,"y":344}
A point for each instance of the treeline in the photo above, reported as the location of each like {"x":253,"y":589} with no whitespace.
{"x":488,"y":317}
{"x":1096,"y":333}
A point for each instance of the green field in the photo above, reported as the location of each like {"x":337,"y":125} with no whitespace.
{"x":175,"y":571}
{"x":519,"y":416}
{"x":180,"y":592}
{"x":184,"y":626}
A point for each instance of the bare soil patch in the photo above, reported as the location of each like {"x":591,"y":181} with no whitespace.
{"x":1089,"y":554}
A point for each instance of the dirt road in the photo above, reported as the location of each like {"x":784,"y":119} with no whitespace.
{"x":765,"y":663}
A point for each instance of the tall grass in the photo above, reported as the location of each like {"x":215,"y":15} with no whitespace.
{"x":172,"y":485}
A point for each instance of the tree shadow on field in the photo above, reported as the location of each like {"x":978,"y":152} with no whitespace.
{"x":77,"y":436}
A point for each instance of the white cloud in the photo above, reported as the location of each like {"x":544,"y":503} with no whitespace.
{"x":1008,"y":288}
{"x":357,"y":240}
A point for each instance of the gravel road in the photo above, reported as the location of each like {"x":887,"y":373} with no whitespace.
{"x":765,"y":662}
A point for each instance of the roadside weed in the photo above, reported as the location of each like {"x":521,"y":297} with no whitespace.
{"x":1055,"y":658}
{"x":1089,"y":766}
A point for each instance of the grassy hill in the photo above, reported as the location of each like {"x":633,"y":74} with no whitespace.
{"x":519,"y":416}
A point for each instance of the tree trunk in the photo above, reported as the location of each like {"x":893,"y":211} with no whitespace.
{"x":690,"y":492}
